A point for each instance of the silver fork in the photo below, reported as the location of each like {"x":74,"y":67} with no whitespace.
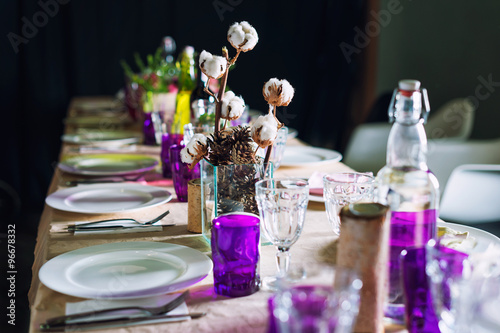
{"x":63,"y":320}
{"x":156,"y":219}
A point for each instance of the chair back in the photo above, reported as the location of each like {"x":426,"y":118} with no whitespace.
{"x":472,"y":194}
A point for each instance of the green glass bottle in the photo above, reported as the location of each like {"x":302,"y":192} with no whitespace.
{"x":187,"y":83}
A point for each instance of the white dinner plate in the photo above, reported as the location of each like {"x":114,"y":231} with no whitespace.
{"x":125,"y":270}
{"x":105,"y":122}
{"x":301,"y":156}
{"x":102,"y":138}
{"x":108,"y":164}
{"x":483,"y":238}
{"x":107,"y":198}
{"x":93,"y":105}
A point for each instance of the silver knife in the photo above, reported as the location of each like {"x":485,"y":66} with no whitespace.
{"x":113,"y":227}
{"x":83,"y":325}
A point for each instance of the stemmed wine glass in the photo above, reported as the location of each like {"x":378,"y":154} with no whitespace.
{"x":282,"y":206}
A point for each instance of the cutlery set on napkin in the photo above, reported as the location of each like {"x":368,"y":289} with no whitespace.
{"x":94,"y":314}
{"x":119,"y":225}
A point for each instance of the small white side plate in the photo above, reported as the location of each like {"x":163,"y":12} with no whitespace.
{"x":303,"y":155}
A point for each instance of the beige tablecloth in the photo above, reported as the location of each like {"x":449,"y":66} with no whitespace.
{"x":245,"y":314}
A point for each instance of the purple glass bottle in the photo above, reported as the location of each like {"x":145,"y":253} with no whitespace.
{"x":407,"y":186}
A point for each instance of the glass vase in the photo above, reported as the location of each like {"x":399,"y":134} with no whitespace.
{"x":229,"y":189}
{"x":159,"y":109}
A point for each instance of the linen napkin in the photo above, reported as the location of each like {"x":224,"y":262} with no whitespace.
{"x":316,"y":183}
{"x":460,"y":241}
{"x":98,"y":304}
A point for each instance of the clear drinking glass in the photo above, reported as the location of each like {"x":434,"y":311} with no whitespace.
{"x":340,"y":189}
{"x":190,"y":130}
{"x":282,"y":204}
{"x":326,"y":300}
{"x":279,"y":146}
{"x":446,"y":269}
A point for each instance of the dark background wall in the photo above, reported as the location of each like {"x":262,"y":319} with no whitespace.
{"x":452,"y":46}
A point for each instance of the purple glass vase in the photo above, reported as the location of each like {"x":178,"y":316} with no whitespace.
{"x":181,"y":173}
{"x":167,"y":140}
{"x":150,"y":129}
{"x":235,"y":253}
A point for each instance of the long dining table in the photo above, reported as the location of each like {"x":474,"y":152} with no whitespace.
{"x":223,"y":314}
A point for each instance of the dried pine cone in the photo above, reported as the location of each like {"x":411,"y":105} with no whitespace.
{"x":220,"y":145}
{"x":243,"y":147}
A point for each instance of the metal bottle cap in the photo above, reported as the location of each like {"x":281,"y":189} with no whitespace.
{"x":409,"y":85}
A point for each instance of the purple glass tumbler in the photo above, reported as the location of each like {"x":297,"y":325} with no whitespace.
{"x":148,"y":130}
{"x":235,"y":253}
{"x":167,"y":140}
{"x":419,"y":312}
{"x":181,"y":174}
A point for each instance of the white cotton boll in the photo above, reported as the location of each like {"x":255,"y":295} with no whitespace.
{"x":250,"y":44}
{"x":242,"y":36}
{"x":212,"y":66}
{"x":278,"y":92}
{"x":198,"y":138}
{"x":236,"y":35}
{"x":269,"y":86}
{"x":264,"y":130}
{"x":186,"y":157}
{"x":204,"y":56}
{"x":269,"y":131}
{"x":237,"y":106}
{"x":193,"y":148}
{"x":288,"y":90}
{"x":232,"y":106}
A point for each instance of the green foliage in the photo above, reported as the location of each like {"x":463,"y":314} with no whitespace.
{"x":156,"y":76}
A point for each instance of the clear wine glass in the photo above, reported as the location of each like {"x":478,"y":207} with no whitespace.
{"x":340,"y":189}
{"x":282,"y":206}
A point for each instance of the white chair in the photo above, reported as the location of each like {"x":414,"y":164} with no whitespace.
{"x":366,"y":150}
{"x":446,"y":155}
{"x":472,"y":195}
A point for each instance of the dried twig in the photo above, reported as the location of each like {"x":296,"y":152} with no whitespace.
{"x":208,"y":91}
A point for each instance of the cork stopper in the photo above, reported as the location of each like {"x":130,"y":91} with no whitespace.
{"x":364,"y":210}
